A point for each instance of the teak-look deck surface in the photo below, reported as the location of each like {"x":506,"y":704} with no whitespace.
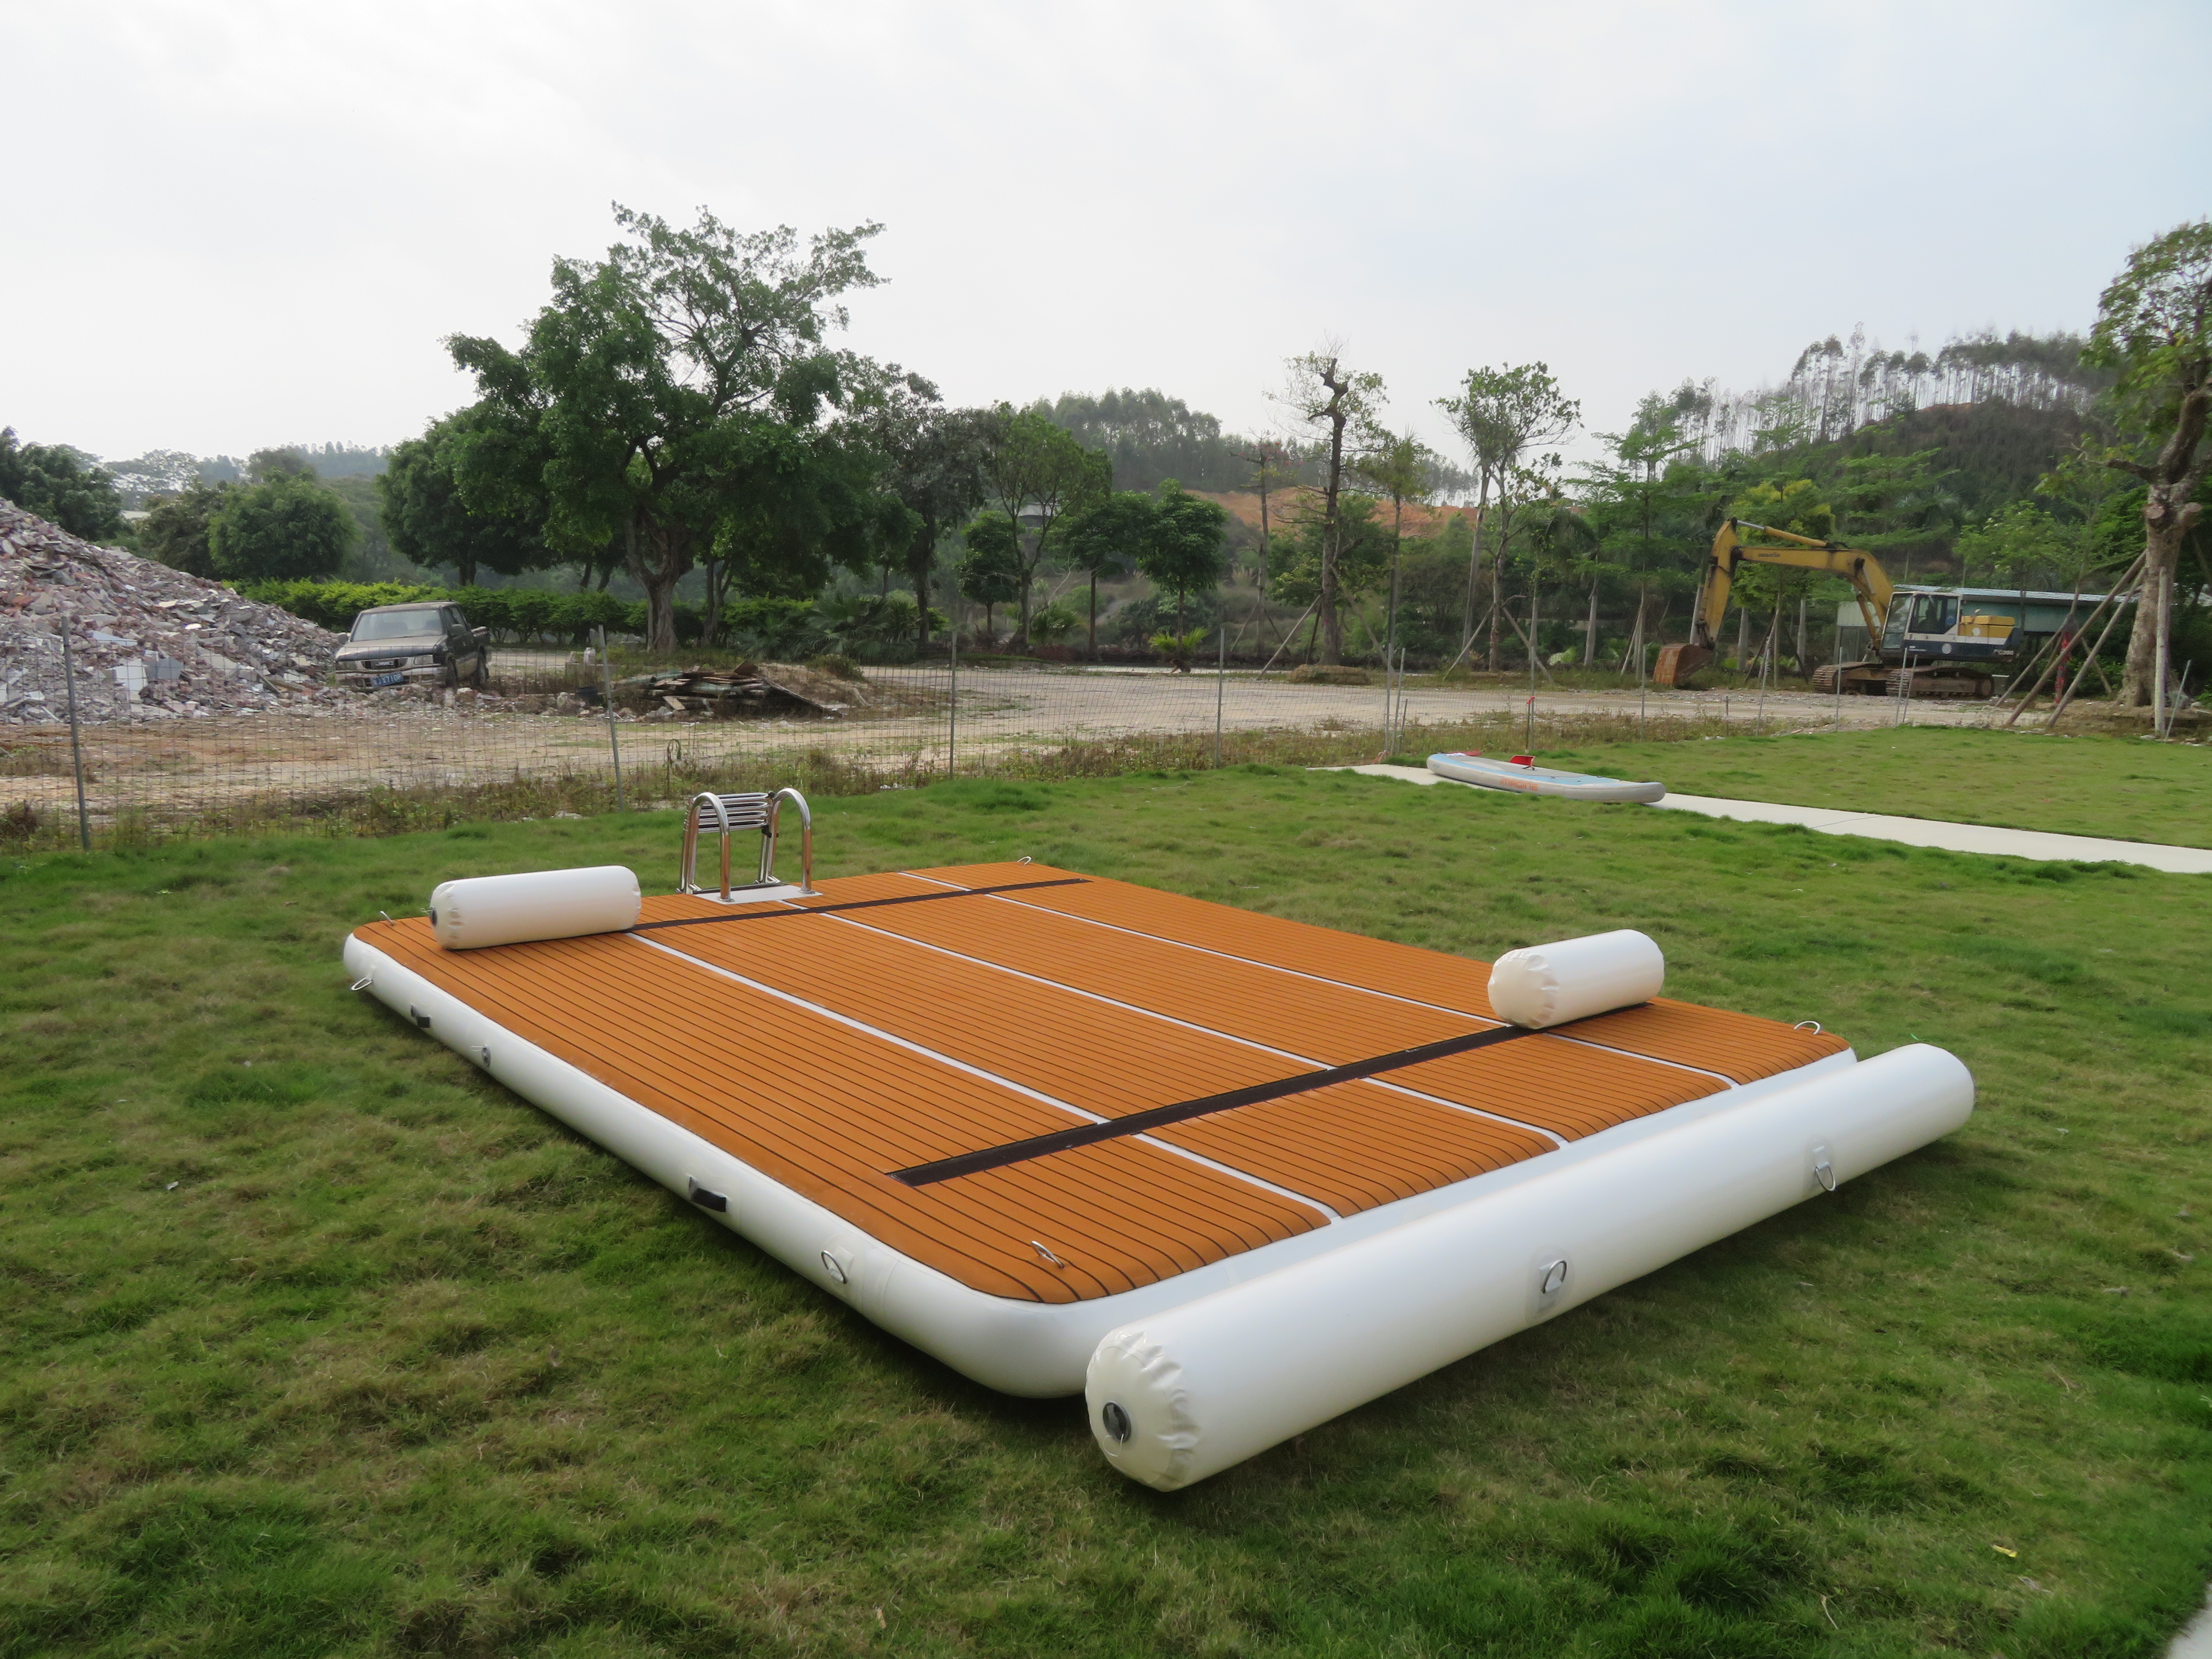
{"x":910,"y":1051}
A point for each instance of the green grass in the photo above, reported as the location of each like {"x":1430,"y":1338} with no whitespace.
{"x":398,"y":1365}
{"x":2123,"y":788}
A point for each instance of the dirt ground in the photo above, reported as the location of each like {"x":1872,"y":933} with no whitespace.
{"x":176,"y":770}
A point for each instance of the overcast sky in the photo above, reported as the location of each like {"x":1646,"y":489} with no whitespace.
{"x":232,"y":224}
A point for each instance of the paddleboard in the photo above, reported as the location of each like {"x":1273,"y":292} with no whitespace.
{"x":1522,"y":778}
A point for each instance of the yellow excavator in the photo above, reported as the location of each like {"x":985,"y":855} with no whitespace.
{"x":1919,"y":636}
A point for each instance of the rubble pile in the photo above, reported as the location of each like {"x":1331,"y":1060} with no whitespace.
{"x":148,"y":642}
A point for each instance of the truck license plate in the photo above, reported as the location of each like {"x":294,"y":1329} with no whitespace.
{"x":385,"y":679}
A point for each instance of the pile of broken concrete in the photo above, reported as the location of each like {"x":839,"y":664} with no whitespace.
{"x":146,"y":641}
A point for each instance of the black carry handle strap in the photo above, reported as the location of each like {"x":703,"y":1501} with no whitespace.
{"x":1020,"y":1152}
{"x":861,"y":904}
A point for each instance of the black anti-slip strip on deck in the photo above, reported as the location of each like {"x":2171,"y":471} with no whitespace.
{"x":862,"y":904}
{"x":1020,"y":1152}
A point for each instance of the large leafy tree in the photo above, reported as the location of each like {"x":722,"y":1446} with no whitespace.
{"x":1796,"y":505}
{"x":2021,"y":544}
{"x":1039,"y":474}
{"x":1631,"y":486}
{"x":1107,"y":538}
{"x":1363,"y":546}
{"x":2154,"y":330}
{"x":825,"y":510}
{"x":175,"y":528}
{"x":2085,"y":520}
{"x":932,"y":463}
{"x":428,"y":521}
{"x":63,"y":486}
{"x":288,"y":529}
{"x":676,"y":385}
{"x":990,"y":574}
{"x":1504,"y":413}
{"x":1181,"y":549}
{"x":263,"y":465}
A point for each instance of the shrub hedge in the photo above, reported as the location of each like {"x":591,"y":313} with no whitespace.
{"x":524,"y":615}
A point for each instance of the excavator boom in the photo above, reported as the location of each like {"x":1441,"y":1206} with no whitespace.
{"x":1869,"y":583}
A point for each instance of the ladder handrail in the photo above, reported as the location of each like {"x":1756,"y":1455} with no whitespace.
{"x":725,"y":814}
{"x":806,"y":840}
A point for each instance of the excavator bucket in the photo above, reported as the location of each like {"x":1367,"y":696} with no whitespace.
{"x":1679,"y":663}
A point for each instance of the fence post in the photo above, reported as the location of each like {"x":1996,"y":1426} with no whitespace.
{"x":952,"y":698}
{"x":614,"y":732}
{"x":1220,"y":684}
{"x":1394,"y":681}
{"x":76,"y":751}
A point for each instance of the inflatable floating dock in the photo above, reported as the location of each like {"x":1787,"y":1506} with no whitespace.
{"x":1228,"y":1175}
{"x":1523,"y":778}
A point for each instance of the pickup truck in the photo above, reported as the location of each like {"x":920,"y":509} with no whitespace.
{"x":412,"y":645}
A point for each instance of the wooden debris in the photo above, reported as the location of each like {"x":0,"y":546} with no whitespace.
{"x":749,"y":687}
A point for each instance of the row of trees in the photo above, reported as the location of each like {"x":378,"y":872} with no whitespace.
{"x":677,"y":407}
{"x":62,"y":485}
{"x":2122,"y":502}
{"x":279,"y":525}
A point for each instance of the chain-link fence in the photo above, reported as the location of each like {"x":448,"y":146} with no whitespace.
{"x":568,"y":732}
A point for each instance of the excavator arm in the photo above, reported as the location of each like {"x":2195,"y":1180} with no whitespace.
{"x":1869,"y":584}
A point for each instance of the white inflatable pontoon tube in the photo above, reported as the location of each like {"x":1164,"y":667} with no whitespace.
{"x":1543,"y":985}
{"x":1185,"y":1393}
{"x":481,"y":910}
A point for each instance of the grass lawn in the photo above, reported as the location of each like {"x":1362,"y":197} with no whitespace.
{"x":347,"y":1351}
{"x":2121,"y":788}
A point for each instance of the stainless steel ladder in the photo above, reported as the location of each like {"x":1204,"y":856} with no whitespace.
{"x":725,"y":814}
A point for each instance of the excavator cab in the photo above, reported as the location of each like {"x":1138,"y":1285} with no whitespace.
{"x":1938,"y":624}
{"x":1930,"y":616}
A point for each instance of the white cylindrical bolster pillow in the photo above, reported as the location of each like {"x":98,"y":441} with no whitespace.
{"x":1543,"y":985}
{"x":1182,"y":1392}
{"x":483,"y":910}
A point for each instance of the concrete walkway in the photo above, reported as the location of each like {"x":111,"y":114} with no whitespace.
{"x":2196,"y":1641}
{"x":1912,"y":832}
